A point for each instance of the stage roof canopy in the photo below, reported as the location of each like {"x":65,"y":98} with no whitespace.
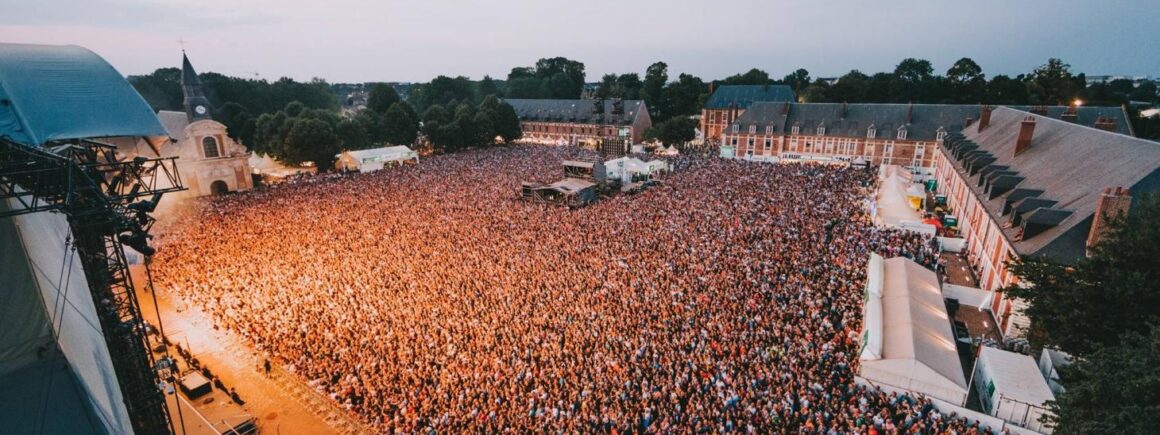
{"x":61,"y":92}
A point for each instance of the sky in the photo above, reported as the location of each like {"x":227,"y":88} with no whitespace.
{"x":414,"y":41}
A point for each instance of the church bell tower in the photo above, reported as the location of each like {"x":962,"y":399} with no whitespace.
{"x":196,"y":104}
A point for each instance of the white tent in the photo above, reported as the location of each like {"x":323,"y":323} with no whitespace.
{"x":894,"y":192}
{"x":624,"y":168}
{"x":374,"y":159}
{"x":1012,"y":388}
{"x":907,"y":338}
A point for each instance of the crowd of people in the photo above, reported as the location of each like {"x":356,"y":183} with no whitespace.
{"x":430,"y":298}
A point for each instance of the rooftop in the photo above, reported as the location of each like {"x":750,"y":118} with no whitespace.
{"x":743,"y":96}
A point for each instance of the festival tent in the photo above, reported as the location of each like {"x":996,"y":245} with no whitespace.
{"x":894,"y":204}
{"x":374,"y":159}
{"x":1012,"y":388}
{"x":907,"y":338}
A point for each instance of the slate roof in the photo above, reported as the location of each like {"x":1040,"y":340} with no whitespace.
{"x":575,"y":111}
{"x":922,"y":121}
{"x":1071,"y":164}
{"x":743,"y":96}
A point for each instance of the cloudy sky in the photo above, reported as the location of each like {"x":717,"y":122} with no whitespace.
{"x":415,"y":40}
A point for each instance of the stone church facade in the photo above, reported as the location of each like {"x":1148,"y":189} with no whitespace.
{"x":209,"y":161}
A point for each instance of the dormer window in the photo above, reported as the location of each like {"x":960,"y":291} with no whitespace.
{"x":871,"y":132}
{"x":821,"y":130}
{"x":753,"y":129}
{"x":795,"y":130}
{"x":209,"y":146}
{"x":902,"y":133}
{"x":942,"y":133}
{"x":736,"y":128}
{"x":768,"y":130}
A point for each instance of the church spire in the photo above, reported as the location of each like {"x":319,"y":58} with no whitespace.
{"x":197,"y":106}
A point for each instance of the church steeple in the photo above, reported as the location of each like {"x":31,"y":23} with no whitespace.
{"x":196,"y":104}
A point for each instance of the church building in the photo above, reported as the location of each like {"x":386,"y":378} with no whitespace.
{"x":209,"y":161}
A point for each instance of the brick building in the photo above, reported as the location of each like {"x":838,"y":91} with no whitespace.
{"x":1029,"y":185}
{"x":900,"y":134}
{"x":729,"y":102}
{"x":576,"y":121}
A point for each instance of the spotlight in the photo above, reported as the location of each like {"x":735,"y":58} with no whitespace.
{"x":139,"y":241}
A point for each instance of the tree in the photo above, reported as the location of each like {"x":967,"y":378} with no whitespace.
{"x":310,"y":140}
{"x":653,"y":90}
{"x":442,"y":90}
{"x":487,"y":87}
{"x":1005,"y":90}
{"x":569,"y":71}
{"x":1052,"y":83}
{"x":686,"y":96}
{"x":816,"y":92}
{"x":607,"y":87}
{"x":628,"y":86}
{"x":913,"y":80}
{"x":677,"y":130}
{"x":1116,"y":290}
{"x":1113,"y":390}
{"x":239,"y":123}
{"x":507,"y":123}
{"x":850,"y":88}
{"x":797,"y":80}
{"x":751,"y":77}
{"x":400,"y":127}
{"x":351,"y":135}
{"x":967,"y":82}
{"x":382,"y":97}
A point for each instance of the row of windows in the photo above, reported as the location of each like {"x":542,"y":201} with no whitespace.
{"x":535,"y":128}
{"x":821,"y":131}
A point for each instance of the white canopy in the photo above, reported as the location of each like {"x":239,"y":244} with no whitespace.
{"x":1012,"y":387}
{"x":913,"y":331}
{"x":374,"y":159}
{"x":894,"y":188}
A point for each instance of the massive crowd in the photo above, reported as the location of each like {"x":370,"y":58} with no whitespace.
{"x":430,"y":298}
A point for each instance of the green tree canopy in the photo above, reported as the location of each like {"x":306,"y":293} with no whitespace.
{"x":382,"y":97}
{"x":310,"y":140}
{"x":675,"y":131}
{"x":751,"y":77}
{"x":1052,"y":83}
{"x":653,"y":90}
{"x":401,"y":128}
{"x":1113,"y":390}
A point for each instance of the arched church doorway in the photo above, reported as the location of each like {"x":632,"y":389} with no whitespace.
{"x":219,"y":187}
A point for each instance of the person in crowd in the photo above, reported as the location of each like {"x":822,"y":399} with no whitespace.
{"x":431,"y":298}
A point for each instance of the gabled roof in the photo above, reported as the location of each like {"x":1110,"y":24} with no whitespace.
{"x":743,"y":96}
{"x":61,"y":92}
{"x":575,"y":111}
{"x":1070,"y":164}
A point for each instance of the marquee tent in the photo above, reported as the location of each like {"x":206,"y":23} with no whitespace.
{"x":374,"y":159}
{"x":907,"y":341}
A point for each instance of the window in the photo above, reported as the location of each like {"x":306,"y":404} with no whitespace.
{"x":750,"y":142}
{"x":733,"y":141}
{"x":753,"y":129}
{"x":795,"y":129}
{"x":871,"y":132}
{"x":768,"y":131}
{"x":768,"y":143}
{"x":902,"y":133}
{"x":942,"y":134}
{"x":209,"y":146}
{"x":736,"y":128}
{"x":821,"y":130}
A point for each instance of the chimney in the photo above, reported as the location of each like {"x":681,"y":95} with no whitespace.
{"x":845,"y":108}
{"x":1107,"y":123}
{"x":967,"y":122}
{"x":1070,"y":115}
{"x":984,"y":118}
{"x":1039,"y":110}
{"x":1112,"y":204}
{"x":910,"y":113}
{"x":785,"y":108}
{"x":1026,"y":132}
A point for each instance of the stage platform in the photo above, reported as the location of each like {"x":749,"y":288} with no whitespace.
{"x":44,"y":397}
